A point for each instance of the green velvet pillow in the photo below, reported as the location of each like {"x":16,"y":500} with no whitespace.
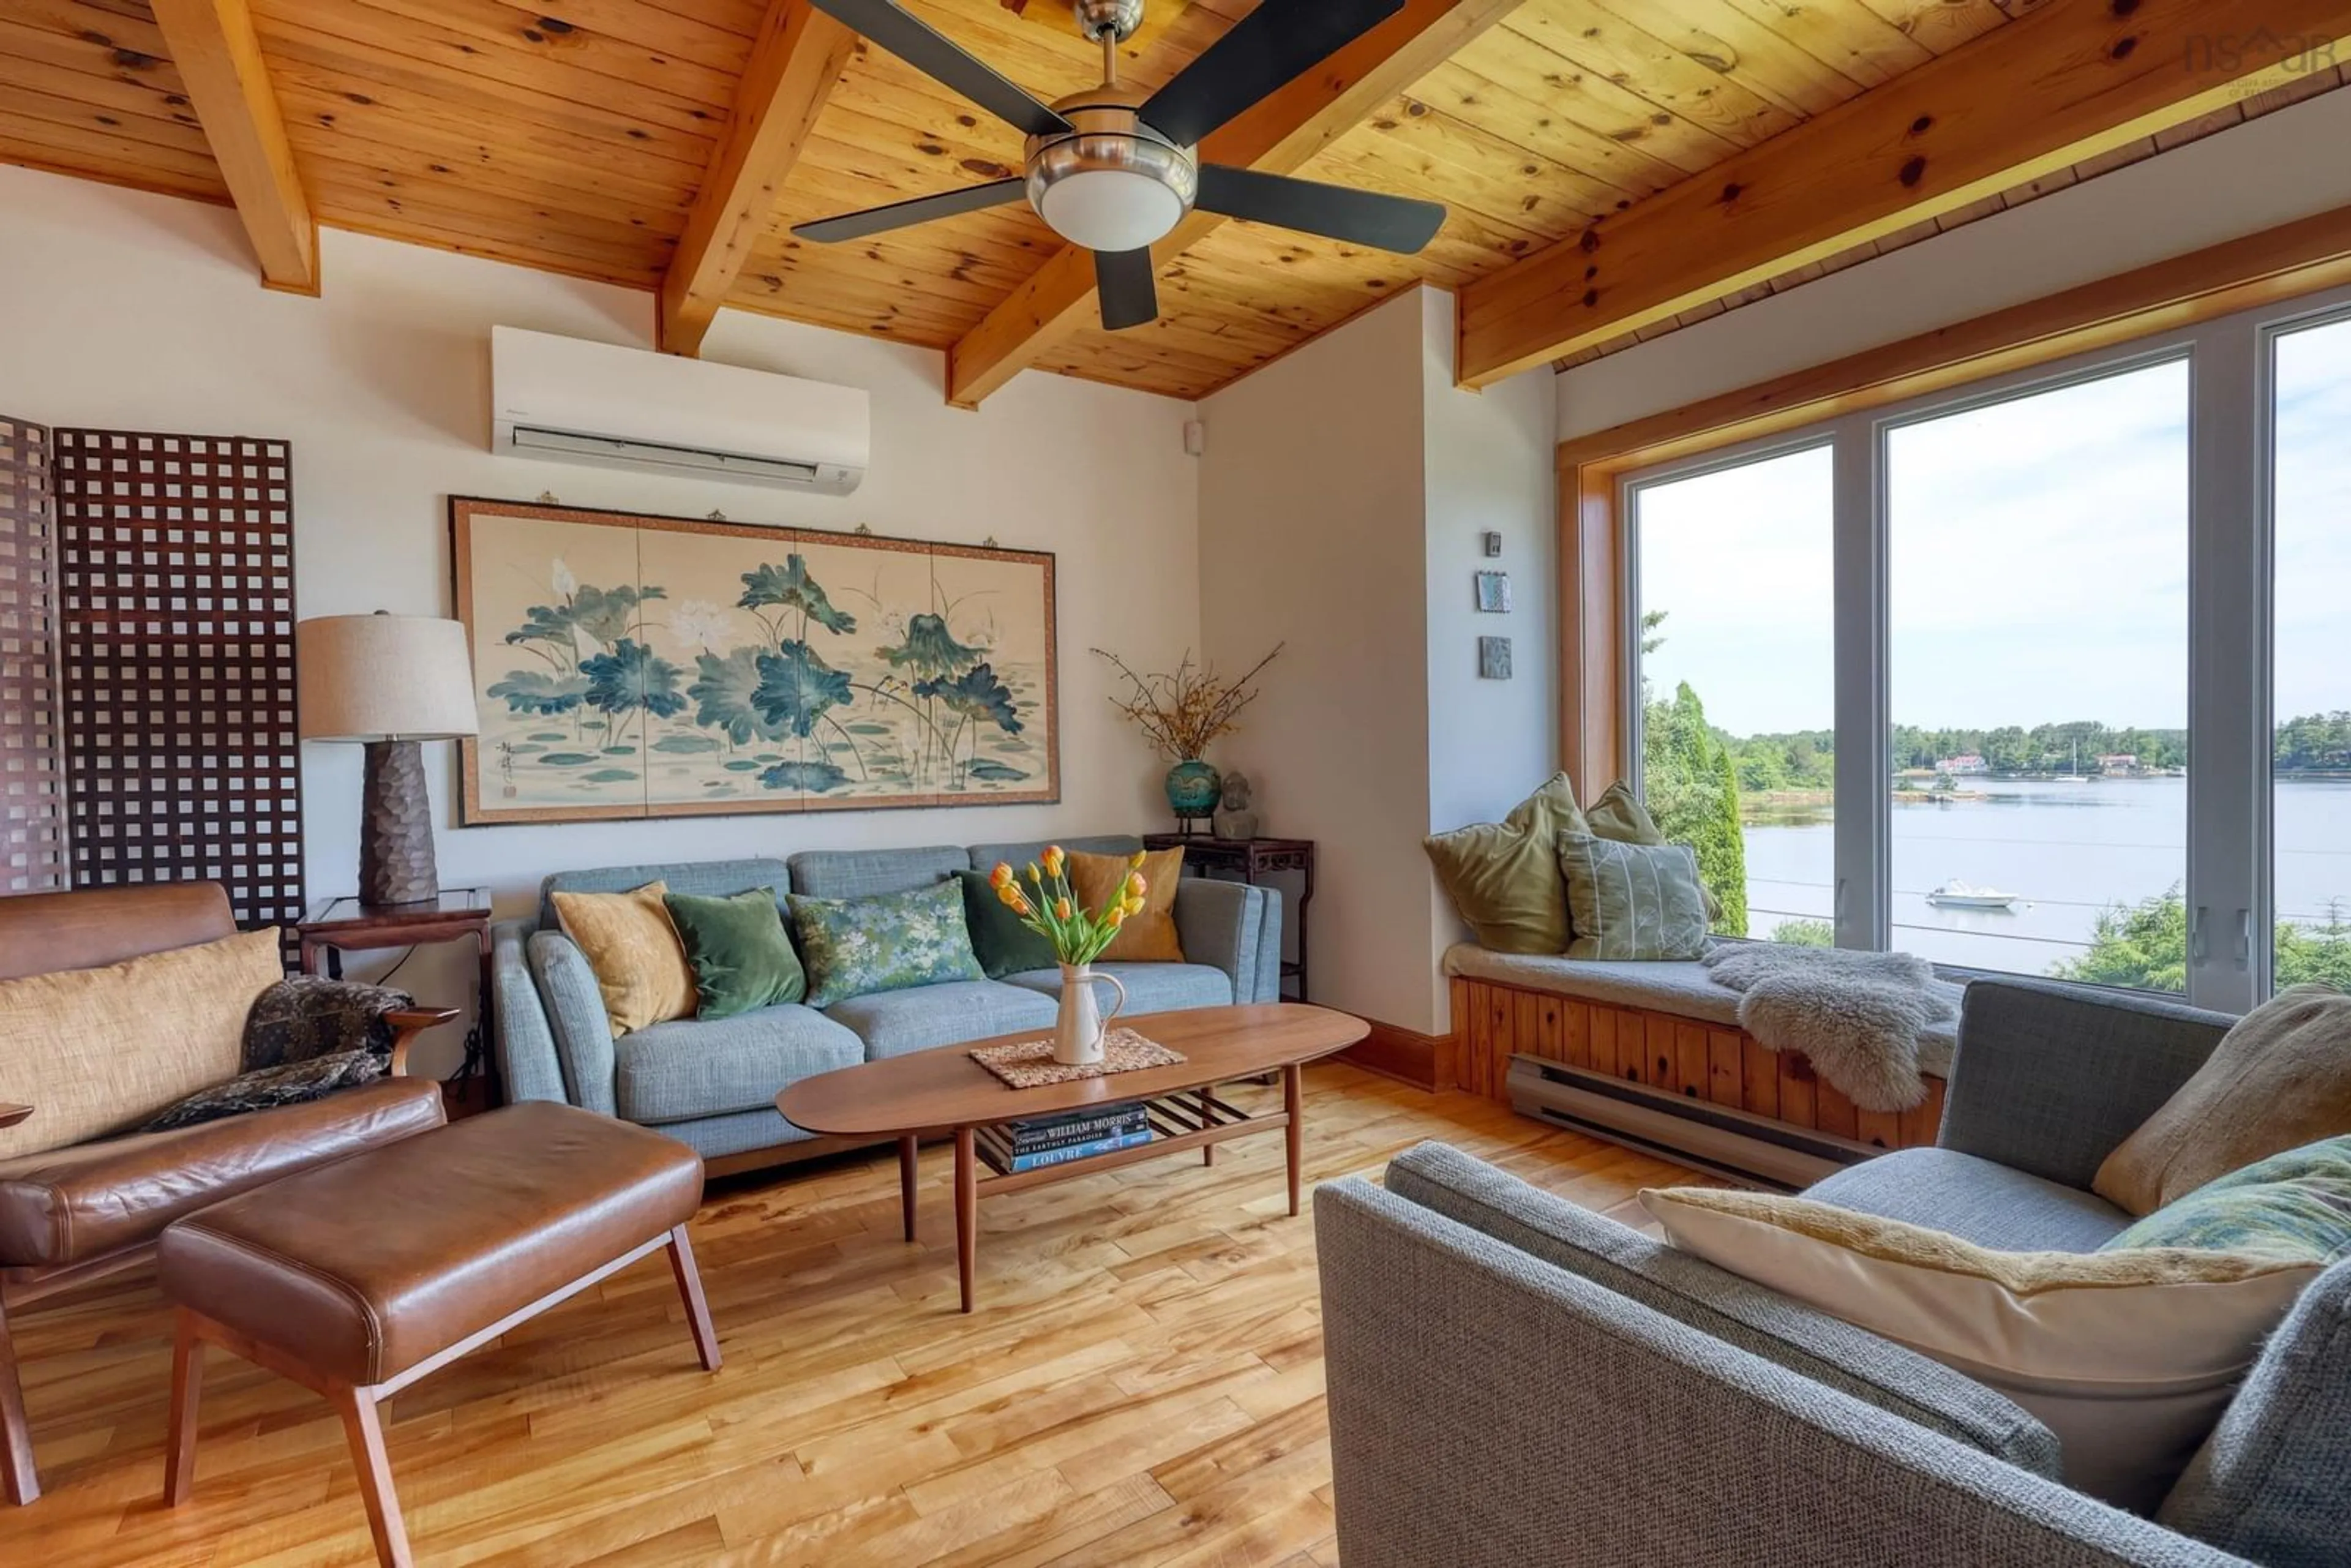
{"x":1001,"y":944}
{"x":742,"y":959}
{"x":1504,"y":876}
{"x":2297,"y":1205}
{"x":1632,"y":901}
{"x":856,"y":946}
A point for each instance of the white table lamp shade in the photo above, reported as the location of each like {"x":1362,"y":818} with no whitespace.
{"x":384,"y":677}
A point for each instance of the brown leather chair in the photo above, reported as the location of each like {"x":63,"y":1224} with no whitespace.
{"x":73,"y":1215}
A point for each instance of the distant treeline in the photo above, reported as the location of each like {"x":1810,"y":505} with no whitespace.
{"x":1806,"y":759}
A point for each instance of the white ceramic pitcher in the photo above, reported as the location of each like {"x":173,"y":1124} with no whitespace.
{"x":1077,"y":1033}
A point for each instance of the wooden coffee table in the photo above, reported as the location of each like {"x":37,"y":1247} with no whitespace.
{"x":944,"y":1090}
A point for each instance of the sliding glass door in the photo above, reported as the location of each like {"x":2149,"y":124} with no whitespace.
{"x":2050,"y":675}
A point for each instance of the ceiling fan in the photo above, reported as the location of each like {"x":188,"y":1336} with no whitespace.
{"x":1114,"y":169}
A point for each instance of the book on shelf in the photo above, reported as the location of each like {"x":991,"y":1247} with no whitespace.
{"x":1000,"y":1154}
{"x":1034,"y":1134}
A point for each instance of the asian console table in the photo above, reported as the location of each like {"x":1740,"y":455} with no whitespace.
{"x":458,"y":915}
{"x":1251,"y":859}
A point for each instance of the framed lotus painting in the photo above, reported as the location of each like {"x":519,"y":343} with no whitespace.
{"x":645,"y":666}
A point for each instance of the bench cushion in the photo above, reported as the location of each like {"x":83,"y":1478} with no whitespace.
{"x":893,"y":1023}
{"x":361,"y":1269}
{"x":1975,"y":1200}
{"x":713,"y":1066}
{"x":82,"y":1202}
{"x":1683,"y":987}
{"x":1150,"y":988}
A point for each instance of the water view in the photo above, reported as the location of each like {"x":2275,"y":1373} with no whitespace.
{"x":2067,"y":850}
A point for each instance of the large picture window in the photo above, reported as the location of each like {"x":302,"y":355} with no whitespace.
{"x":1736,"y":684}
{"x":2037,"y":638}
{"x":2310,"y":779}
{"x":2041,"y":675}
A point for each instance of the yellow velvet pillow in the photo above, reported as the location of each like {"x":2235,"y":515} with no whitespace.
{"x":629,"y":940}
{"x":95,"y":1051}
{"x":1145,"y":939}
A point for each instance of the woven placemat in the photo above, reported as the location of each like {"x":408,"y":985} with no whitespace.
{"x":1029,"y":1064}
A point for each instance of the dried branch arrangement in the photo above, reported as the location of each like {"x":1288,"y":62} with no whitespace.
{"x":1184,"y":710}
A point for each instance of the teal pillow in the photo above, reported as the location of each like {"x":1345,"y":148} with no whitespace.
{"x":742,"y":959}
{"x":1001,"y":944}
{"x":2296,"y":1205}
{"x":856,"y":946}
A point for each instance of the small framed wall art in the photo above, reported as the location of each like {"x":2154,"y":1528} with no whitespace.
{"x":1494,"y":592}
{"x":1493,"y":658}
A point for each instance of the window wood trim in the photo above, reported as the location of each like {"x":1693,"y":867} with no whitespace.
{"x":2274,"y":267}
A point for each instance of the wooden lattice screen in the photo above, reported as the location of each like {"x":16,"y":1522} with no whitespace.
{"x":32,"y":766}
{"x":177,"y":598}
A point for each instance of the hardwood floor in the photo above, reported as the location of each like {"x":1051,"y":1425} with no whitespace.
{"x":1142,"y":1384}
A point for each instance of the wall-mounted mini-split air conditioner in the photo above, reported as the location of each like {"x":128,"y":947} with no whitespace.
{"x":573,"y":402}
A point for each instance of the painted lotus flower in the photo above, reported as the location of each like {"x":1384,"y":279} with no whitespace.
{"x":929,"y":649}
{"x":698,"y":624}
{"x":790,"y":587}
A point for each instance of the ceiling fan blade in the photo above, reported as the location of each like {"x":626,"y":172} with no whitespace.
{"x":1335,"y":212}
{"x":903,"y":215}
{"x":1259,"y":54}
{"x":1129,"y":295}
{"x":927,"y":49}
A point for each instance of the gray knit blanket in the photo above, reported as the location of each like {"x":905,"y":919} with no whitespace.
{"x":1857,"y":1016}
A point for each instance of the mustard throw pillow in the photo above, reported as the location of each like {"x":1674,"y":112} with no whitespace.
{"x":97,"y":1050}
{"x":1145,"y":939}
{"x":2130,"y":1357}
{"x":2279,"y":1080}
{"x":1504,"y":876}
{"x":641,"y":967}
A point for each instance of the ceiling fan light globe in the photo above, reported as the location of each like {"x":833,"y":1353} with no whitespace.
{"x":1110,"y":209}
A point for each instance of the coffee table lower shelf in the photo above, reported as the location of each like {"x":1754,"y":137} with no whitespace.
{"x":1190,"y":1119}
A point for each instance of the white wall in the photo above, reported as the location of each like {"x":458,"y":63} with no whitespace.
{"x":2271,"y":170}
{"x":1342,"y":498}
{"x":1311,"y":508}
{"x":119,"y":309}
{"x":1490,"y":466}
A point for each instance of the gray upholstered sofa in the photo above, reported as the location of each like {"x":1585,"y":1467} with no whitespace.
{"x":714,"y":1083}
{"x":1518,"y":1383}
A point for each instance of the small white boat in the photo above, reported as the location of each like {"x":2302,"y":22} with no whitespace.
{"x":1961,"y":895}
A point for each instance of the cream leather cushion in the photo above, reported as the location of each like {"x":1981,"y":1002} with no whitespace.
{"x":630,"y":943}
{"x":2130,"y":1357}
{"x":96,"y":1050}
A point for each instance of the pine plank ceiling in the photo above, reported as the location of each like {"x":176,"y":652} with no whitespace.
{"x":574,"y":135}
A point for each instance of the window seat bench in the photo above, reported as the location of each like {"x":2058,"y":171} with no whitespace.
{"x":1667,"y":1027}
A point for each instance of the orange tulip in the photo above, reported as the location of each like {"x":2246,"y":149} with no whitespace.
{"x":1061,"y":909}
{"x":1135,"y":886}
{"x":1132,"y":907}
{"x":1000,"y":877}
{"x":1134,"y":861}
{"x":1117,"y":916}
{"x":1034,"y":875}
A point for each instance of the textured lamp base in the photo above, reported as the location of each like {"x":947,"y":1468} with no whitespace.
{"x":396,"y":827}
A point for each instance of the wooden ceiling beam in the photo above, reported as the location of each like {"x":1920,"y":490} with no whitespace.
{"x":218,"y":55}
{"x":799,"y":58}
{"x":2055,"y":87}
{"x":1277,"y":136}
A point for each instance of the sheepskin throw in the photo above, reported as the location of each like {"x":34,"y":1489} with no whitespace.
{"x":1856,"y":1015}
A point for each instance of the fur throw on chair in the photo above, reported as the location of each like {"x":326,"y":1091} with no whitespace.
{"x":1855,"y":1014}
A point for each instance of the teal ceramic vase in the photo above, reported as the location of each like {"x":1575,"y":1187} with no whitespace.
{"x":1193,"y":788}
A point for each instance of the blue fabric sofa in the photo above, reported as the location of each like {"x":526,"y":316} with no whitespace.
{"x":1518,"y":1383}
{"x":714,"y":1085}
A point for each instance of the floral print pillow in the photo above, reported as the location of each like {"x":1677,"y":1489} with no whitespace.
{"x":856,"y":946}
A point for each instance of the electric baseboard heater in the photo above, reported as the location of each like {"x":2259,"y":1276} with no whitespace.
{"x":1738,"y":1144}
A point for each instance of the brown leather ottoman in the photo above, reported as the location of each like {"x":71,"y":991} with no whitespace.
{"x":359,"y":1278}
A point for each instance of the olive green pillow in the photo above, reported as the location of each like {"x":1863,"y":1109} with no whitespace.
{"x":742,"y":959}
{"x":1632,"y":901}
{"x":1002,"y":945}
{"x":1504,"y":876}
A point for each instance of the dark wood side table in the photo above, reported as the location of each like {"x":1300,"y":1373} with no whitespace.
{"x":1252,"y":861}
{"x":459,"y":915}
